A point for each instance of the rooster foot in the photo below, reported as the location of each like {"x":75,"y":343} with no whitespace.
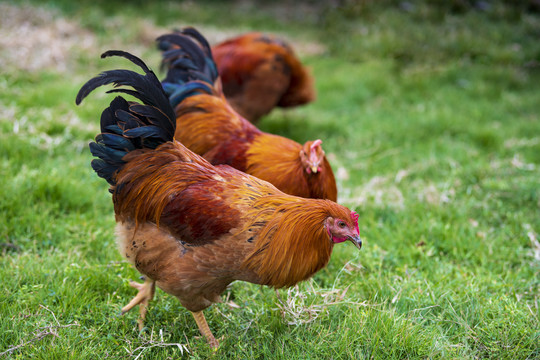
{"x":205,"y":330}
{"x":143,"y":297}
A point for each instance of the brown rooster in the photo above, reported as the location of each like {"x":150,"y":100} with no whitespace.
{"x":260,"y":72}
{"x":192,"y":228}
{"x":207,"y":125}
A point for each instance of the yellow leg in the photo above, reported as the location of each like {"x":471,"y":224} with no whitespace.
{"x":204,"y":329}
{"x":143,"y":297}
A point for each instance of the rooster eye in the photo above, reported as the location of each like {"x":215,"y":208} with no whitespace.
{"x":341,"y":224}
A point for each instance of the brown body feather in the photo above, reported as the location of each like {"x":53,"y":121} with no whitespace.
{"x":260,"y":72}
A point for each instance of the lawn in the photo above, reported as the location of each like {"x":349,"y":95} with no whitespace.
{"x":429,"y":114}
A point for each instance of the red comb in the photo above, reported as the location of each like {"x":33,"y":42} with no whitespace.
{"x":355,"y":217}
{"x":316,"y":143}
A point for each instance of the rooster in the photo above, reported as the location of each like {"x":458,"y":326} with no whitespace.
{"x":192,"y":228}
{"x":210,"y":127}
{"x":260,"y":72}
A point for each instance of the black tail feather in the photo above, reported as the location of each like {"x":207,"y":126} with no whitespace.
{"x":127,"y":126}
{"x":188,"y":57}
{"x":146,"y":88}
{"x":108,"y":118}
{"x":187,"y":46}
{"x":128,"y":56}
{"x":190,"y":31}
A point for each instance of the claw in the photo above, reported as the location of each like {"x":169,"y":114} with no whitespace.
{"x":143,"y":297}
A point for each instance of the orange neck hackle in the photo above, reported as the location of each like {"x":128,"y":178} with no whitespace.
{"x":294,"y":243}
{"x":286,"y":168}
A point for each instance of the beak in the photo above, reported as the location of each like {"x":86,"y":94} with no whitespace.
{"x":356,"y":241}
{"x":314,"y":169}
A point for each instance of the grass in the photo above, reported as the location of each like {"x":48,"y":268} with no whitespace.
{"x":430,"y":117}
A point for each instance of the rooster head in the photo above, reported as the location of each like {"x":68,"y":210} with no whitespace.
{"x":312,"y":156}
{"x":341,"y":230}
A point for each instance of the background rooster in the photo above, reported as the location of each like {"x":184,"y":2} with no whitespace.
{"x":207,"y":125}
{"x":192,"y":228}
{"x":260,"y":72}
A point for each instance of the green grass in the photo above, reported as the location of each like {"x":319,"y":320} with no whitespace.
{"x":430,"y":115}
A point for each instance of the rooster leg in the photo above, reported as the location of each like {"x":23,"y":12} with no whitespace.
{"x":143,"y":297}
{"x":204,"y":329}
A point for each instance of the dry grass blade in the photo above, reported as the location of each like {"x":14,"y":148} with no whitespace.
{"x":151,"y":343}
{"x":40,"y":333}
{"x":535,"y":244}
{"x":302,"y":307}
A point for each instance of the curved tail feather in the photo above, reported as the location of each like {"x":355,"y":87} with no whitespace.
{"x":128,"y":126}
{"x":191,"y":68}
